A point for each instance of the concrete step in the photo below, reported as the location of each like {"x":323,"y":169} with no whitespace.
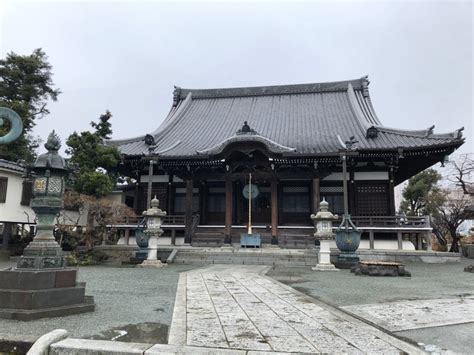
{"x":239,"y":257}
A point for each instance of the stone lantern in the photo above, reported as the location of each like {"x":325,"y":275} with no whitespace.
{"x":153,"y":231}
{"x":324,"y":234}
{"x":49,"y":172}
{"x":41,"y":285}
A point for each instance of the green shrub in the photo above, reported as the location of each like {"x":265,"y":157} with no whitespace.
{"x":86,"y":257}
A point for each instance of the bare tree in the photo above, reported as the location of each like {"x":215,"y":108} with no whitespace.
{"x":462,"y":173}
{"x":448,"y":218}
{"x":100,"y":212}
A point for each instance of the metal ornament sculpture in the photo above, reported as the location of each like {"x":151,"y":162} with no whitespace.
{"x":16,"y":125}
{"x":347,"y":235}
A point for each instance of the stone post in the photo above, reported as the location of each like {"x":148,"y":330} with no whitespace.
{"x":153,"y":231}
{"x":325,"y":235}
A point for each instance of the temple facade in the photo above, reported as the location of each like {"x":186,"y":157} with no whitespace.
{"x":288,"y":140}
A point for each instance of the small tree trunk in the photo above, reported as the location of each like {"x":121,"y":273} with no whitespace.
{"x":455,"y":244}
{"x":90,"y":230}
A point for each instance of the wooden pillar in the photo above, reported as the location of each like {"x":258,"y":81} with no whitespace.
{"x":419,"y":241}
{"x":391,"y":193}
{"x":7,"y":231}
{"x":170,"y":194}
{"x":127,"y":236}
{"x":274,"y":205}
{"x":173,"y":236}
{"x":203,"y":193}
{"x":371,"y":239}
{"x":228,"y":210}
{"x":400,"y":240}
{"x":428,"y":241}
{"x":351,"y":191}
{"x":316,"y":195}
{"x":189,"y":211}
{"x":150,"y":184}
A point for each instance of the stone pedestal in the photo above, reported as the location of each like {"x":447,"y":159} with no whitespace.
{"x":151,"y":264}
{"x":324,"y":257}
{"x":33,"y":294}
{"x":152,"y":259}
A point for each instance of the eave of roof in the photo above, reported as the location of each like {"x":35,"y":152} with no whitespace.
{"x":12,"y":166}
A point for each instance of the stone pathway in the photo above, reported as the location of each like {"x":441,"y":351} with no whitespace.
{"x":236,"y":307}
{"x":404,"y":315}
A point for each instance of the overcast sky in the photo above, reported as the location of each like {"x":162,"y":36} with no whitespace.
{"x":126,"y":56}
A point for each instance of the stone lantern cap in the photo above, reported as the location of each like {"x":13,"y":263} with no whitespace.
{"x":51,"y":160}
{"x":324,"y":214}
{"x":154,"y":211}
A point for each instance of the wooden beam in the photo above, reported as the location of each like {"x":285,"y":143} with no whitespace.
{"x":316,"y":195}
{"x":189,"y":210}
{"x":274,"y":206}
{"x":228,"y":210}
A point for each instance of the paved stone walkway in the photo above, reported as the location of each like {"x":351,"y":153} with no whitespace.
{"x":236,"y":307}
{"x":404,"y":315}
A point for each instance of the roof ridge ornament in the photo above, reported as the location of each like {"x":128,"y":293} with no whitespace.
{"x":365,"y":86}
{"x":430,"y":131}
{"x":372,"y":132}
{"x":176,"y":95}
{"x":53,"y":144}
{"x":246,"y":129}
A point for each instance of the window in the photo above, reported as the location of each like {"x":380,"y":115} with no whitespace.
{"x":216,"y":199}
{"x":3,"y":189}
{"x":334,"y":195}
{"x":295,"y":199}
{"x":26,"y":192}
{"x":180,"y":200}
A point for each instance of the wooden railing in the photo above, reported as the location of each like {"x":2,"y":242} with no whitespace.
{"x":166,"y":220}
{"x":389,"y":221}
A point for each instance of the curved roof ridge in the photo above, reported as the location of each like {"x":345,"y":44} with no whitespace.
{"x":356,"y":109}
{"x":423,"y":133}
{"x":273,"y":146}
{"x":174,"y":110}
{"x":173,"y":116}
{"x":270,"y":90}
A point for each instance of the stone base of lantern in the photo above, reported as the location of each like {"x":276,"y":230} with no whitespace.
{"x":324,"y":256}
{"x":151,"y":264}
{"x":325,"y":267}
{"x":33,"y":294}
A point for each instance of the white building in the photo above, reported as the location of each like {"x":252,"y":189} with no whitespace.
{"x":15,"y":195}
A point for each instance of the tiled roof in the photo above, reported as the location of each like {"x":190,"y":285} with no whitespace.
{"x":293,"y":119}
{"x":9,"y":165}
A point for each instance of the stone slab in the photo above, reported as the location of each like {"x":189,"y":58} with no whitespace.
{"x":28,"y":315}
{"x":72,"y":346}
{"x":66,"y":278}
{"x":165,"y":349}
{"x":36,"y":299}
{"x":236,"y":307}
{"x":405,"y":315}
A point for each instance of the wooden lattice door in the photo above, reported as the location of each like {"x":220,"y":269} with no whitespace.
{"x":372,"y":199}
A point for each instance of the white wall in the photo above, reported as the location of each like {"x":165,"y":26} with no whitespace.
{"x":12,"y":210}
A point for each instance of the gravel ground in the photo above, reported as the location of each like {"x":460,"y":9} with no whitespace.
{"x":344,"y":288}
{"x":123,"y":296}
